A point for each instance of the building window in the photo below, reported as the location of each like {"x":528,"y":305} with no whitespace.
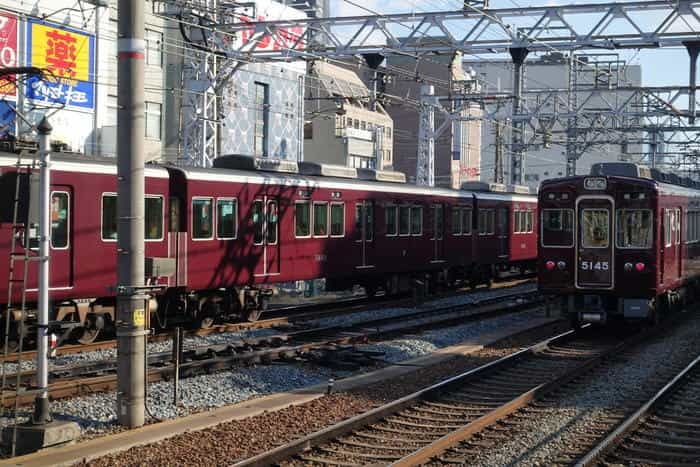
{"x":226,"y":216}
{"x":153,"y":120}
{"x":112,"y":109}
{"x":261,"y":106}
{"x":154,"y":51}
{"x":202,"y":225}
{"x":308,"y":130}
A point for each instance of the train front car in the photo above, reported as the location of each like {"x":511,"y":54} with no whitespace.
{"x":598,"y":241}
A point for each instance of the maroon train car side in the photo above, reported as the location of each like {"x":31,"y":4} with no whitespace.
{"x":620,"y":244}
{"x":218,"y":239}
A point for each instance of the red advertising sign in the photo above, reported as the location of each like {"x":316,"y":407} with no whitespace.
{"x":286,"y":38}
{"x":8,"y":51}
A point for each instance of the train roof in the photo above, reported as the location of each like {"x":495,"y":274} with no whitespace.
{"x":75,"y":163}
{"x":370,"y":181}
{"x":665,"y":182}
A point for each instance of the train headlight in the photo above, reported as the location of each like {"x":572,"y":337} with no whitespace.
{"x":640,"y":267}
{"x":561,"y":265}
{"x":549,"y":265}
{"x":628,"y":266}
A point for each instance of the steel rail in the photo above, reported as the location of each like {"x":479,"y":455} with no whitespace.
{"x":426,"y":452}
{"x":288,"y":315}
{"x":307,"y":340}
{"x":634,"y":420}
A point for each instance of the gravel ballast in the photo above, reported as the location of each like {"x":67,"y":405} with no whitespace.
{"x":226,"y":443}
{"x":554,"y":430}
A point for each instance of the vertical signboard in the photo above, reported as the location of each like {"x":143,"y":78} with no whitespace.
{"x":8,"y":52}
{"x":68,"y":57}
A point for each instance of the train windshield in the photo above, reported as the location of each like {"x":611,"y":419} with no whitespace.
{"x":634,"y":228}
{"x":595,"y":228}
{"x":558,"y":227}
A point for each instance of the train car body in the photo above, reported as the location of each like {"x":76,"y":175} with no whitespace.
{"x":218,"y":239}
{"x":620,"y":243}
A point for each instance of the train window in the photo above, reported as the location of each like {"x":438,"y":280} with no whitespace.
{"x":367,"y":208}
{"x":154,"y":218}
{"x":466,"y":221}
{"x":634,"y":228}
{"x":516,"y":221}
{"x":320,"y":219}
{"x":302,"y":219}
{"x":487,"y":221}
{"x":60,"y":217}
{"x":337,"y":219}
{"x":258,"y":222}
{"x":391,"y":220}
{"x":202,"y":221}
{"x":109,"y":217}
{"x":668,"y":235}
{"x":153,"y":222}
{"x":678,"y":226}
{"x":416,"y":220}
{"x":528,"y":222}
{"x":174,"y":214}
{"x":557,"y":227}
{"x":456,"y":220}
{"x":272,"y":222}
{"x":226,"y":217}
{"x":595,"y":228}
{"x":404,"y":220}
{"x":439,"y":219}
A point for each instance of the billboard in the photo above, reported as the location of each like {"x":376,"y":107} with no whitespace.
{"x":266,"y":10}
{"x":8,"y":52}
{"x":68,"y":56}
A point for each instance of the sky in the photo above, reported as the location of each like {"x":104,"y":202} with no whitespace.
{"x":660,"y":67}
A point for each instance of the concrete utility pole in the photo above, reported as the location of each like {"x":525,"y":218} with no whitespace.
{"x":498,"y":166}
{"x":41,"y":403}
{"x":131,"y":303}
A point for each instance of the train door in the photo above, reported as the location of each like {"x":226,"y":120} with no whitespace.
{"x":594,"y":245}
{"x":670,"y":257}
{"x":438,"y":233}
{"x":61,"y":264}
{"x":266,"y":235}
{"x":364,"y":231}
{"x":502,"y":232}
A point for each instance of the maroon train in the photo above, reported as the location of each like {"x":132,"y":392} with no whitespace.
{"x":622,"y":243}
{"x":216,"y":239}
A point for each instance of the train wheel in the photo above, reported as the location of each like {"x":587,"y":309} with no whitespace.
{"x":89,"y":335}
{"x":206,"y":322}
{"x":12,"y":345}
{"x":253,"y":315}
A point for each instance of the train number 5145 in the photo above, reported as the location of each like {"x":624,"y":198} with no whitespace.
{"x":594,"y":265}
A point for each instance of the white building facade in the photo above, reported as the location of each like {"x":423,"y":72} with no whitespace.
{"x":75,"y":42}
{"x":547,"y":158}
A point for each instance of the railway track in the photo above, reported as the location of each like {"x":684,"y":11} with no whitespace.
{"x":100,"y":376}
{"x":428,"y":423}
{"x":280,"y":316}
{"x":664,"y":431}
